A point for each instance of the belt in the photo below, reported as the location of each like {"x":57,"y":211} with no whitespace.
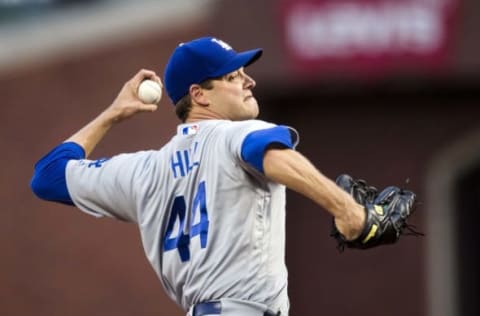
{"x":215,"y":308}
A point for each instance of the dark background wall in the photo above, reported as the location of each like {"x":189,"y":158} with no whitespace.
{"x":59,"y":261}
{"x":385,"y":139}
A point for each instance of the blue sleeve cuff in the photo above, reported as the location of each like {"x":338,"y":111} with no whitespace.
{"x":48,"y":181}
{"x":255,"y":144}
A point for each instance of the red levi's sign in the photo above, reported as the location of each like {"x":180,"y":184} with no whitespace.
{"x":367,"y":37}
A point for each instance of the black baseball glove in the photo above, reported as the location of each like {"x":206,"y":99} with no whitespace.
{"x":386,"y":214}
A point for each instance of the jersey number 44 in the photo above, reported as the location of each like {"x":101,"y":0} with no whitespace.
{"x":181,"y":241}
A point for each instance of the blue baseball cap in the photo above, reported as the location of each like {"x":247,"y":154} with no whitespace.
{"x":201,"y":59}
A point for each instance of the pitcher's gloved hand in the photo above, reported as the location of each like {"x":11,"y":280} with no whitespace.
{"x":386,"y":213}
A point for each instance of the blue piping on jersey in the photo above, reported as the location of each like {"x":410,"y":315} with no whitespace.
{"x":255,"y":144}
{"x":48,"y":181}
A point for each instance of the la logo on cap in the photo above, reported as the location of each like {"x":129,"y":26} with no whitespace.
{"x":222,"y":43}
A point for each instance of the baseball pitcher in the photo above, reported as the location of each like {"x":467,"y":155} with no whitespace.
{"x":210,"y":204}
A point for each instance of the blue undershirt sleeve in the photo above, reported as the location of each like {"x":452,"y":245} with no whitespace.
{"x":48,"y":181}
{"x":256,"y":143}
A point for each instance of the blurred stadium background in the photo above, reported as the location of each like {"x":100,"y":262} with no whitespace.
{"x":384,"y":90}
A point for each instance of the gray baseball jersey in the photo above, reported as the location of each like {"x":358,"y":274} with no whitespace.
{"x":212,"y":226}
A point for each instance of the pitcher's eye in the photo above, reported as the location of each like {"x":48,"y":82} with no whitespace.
{"x":233,"y":76}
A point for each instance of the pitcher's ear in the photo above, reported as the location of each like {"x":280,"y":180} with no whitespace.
{"x":197,"y":95}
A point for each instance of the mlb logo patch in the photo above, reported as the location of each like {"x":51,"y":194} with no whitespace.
{"x":190,"y":130}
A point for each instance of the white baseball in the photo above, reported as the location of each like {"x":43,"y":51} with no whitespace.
{"x":149,"y":92}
